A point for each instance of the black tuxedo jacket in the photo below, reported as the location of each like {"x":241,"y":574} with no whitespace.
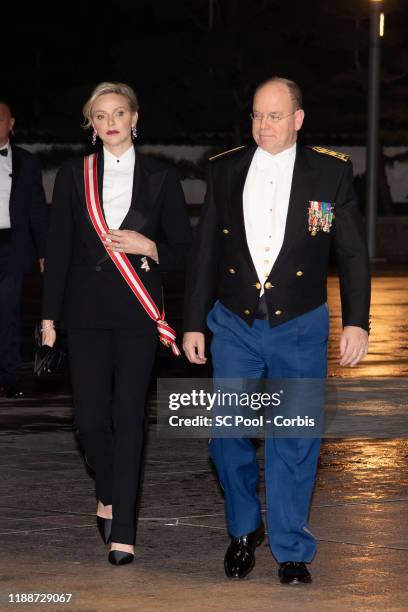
{"x":28,"y":211}
{"x":82,"y":287}
{"x":221,"y":265}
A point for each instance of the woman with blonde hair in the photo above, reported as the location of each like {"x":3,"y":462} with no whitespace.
{"x":118,"y":220}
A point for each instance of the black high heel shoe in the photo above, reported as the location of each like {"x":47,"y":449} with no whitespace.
{"x":118,"y":557}
{"x":104,"y":527}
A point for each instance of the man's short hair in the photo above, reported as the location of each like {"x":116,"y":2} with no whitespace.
{"x":294,"y":90}
{"x":6,"y":104}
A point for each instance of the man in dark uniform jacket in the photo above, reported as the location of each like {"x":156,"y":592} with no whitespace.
{"x":262,"y":248}
{"x":23,"y":231}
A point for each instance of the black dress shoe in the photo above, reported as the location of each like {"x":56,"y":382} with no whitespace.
{"x":240,"y":556}
{"x":294,"y":572}
{"x":104,"y":527}
{"x":118,"y":557}
{"x":11,"y":391}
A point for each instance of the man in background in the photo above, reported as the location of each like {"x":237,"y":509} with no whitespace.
{"x":23,"y":231}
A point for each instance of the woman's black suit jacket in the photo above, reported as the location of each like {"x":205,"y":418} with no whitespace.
{"x":82,"y":287}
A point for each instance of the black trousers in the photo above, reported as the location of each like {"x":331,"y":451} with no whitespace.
{"x":11,"y":283}
{"x":110,"y":374}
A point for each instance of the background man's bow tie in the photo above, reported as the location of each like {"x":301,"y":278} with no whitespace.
{"x":4,"y":152}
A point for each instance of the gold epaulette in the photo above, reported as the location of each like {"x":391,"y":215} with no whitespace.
{"x":225,"y":152}
{"x":343,"y":156}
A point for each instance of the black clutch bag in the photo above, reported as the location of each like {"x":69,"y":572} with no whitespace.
{"x":48,"y":361}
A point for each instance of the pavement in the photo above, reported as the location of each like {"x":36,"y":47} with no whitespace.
{"x":49,"y":543}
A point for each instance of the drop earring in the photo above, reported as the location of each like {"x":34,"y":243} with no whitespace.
{"x":134,"y":132}
{"x":94,"y":135}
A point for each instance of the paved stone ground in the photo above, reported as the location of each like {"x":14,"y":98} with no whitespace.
{"x":49,"y":542}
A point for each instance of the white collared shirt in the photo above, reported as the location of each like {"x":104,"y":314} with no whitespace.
{"x":117,"y":186}
{"x":266,"y":200}
{"x":6,"y":168}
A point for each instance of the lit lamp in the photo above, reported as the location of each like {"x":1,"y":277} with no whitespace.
{"x":382,"y":24}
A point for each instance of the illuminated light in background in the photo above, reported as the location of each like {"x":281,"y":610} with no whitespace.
{"x":382,"y":23}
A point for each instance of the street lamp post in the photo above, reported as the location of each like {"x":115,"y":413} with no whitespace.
{"x":376,"y":20}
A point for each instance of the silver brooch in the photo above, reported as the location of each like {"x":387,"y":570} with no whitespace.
{"x":145,"y":265}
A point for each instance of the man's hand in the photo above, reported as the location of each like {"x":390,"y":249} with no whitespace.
{"x":194,"y":347}
{"x":41,"y":262}
{"x":353,"y":345}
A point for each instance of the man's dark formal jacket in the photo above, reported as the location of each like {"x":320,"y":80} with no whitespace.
{"x":221,"y":265}
{"x":28,"y":212}
{"x":82,"y":287}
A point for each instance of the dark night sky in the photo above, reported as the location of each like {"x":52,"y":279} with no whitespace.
{"x":194,"y":75}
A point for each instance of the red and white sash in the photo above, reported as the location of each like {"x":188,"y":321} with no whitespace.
{"x":167,"y":335}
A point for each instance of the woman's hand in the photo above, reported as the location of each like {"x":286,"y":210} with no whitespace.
{"x":48,"y":333}
{"x":128,"y":241}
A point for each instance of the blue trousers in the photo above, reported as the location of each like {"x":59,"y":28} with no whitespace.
{"x":295,"y":349}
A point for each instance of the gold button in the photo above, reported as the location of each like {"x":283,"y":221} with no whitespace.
{"x":225,"y":231}
{"x":231,"y":271}
{"x":268,"y":285}
{"x":266,"y":261}
{"x":258,"y":285}
{"x":278,"y":312}
{"x":247,"y":312}
{"x":266,"y":274}
{"x":299,"y":273}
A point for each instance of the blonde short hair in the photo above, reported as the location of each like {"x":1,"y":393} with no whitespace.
{"x":108,"y":88}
